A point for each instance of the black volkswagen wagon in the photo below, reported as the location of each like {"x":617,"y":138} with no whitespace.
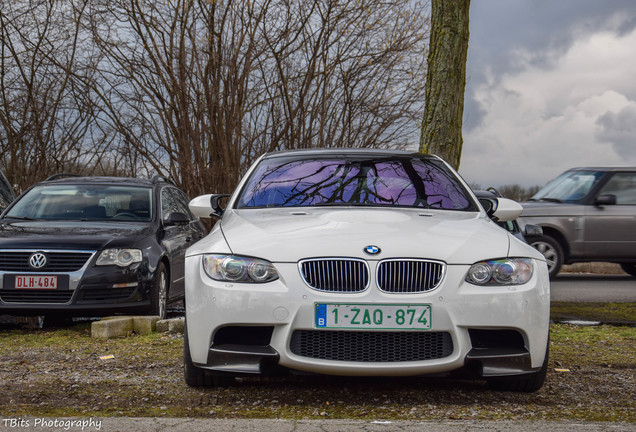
{"x":94,"y":246}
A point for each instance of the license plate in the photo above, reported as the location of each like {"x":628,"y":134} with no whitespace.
{"x":35,"y":282}
{"x":373,"y":316}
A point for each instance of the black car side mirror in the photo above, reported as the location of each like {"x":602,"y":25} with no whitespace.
{"x":490,"y":205}
{"x":532,"y":231}
{"x":176,"y":218}
{"x":215,"y":203}
{"x":603,"y":200}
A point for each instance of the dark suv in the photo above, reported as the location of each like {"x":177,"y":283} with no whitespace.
{"x":587,"y":214}
{"x":93,"y":246}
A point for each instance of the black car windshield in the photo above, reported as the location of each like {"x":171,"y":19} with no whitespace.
{"x":570,"y":186}
{"x":84,"y":202}
{"x":354,"y":181}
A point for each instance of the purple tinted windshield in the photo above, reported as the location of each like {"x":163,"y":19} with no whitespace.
{"x":385,"y":181}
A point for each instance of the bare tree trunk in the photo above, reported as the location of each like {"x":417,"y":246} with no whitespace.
{"x":446,"y":80}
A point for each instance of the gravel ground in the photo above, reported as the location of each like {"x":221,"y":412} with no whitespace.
{"x":64,"y":372}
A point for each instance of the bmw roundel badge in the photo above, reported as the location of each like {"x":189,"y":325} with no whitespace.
{"x":372,"y":250}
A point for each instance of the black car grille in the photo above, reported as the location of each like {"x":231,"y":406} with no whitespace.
{"x":105,"y":295}
{"x":409,"y":276}
{"x":350,"y":275}
{"x":36,"y":296}
{"x":58,"y":261}
{"x":335,"y":274}
{"x":363,"y":346}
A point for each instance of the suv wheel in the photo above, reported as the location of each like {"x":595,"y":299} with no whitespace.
{"x":629,"y":268}
{"x":552,"y":251}
{"x":159,"y":295}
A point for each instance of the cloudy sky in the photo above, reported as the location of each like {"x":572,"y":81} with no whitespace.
{"x":550,"y":85}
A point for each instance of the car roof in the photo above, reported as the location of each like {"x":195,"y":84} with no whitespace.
{"x":76,"y":179}
{"x":347,"y":152}
{"x":484,"y":193}
{"x":603,"y":169}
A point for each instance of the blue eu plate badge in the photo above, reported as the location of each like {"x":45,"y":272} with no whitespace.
{"x":321,"y":315}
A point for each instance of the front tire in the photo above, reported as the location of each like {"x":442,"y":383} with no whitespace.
{"x":552,"y":251}
{"x":198,"y":377}
{"x":159,"y":294}
{"x":629,"y":268}
{"x":528,"y":383}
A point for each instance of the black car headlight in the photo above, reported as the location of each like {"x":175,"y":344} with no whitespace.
{"x":508,"y":271}
{"x":119,"y":257}
{"x":232,"y":268}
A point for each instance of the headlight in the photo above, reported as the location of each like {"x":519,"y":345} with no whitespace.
{"x":231,"y":268}
{"x":510,"y":271}
{"x":120,"y":257}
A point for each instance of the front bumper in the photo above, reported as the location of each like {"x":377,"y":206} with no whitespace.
{"x":253,"y":328}
{"x":94,"y":291}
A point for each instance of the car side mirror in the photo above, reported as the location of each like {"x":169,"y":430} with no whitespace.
{"x":207,"y":206}
{"x":532,"y":231}
{"x":176,"y":218}
{"x":506,"y":210}
{"x":603,"y":200}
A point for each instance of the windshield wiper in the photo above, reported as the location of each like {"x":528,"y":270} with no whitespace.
{"x":25,"y":218}
{"x":556,"y":200}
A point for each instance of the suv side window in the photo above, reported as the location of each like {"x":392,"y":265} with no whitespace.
{"x":623,"y":186}
{"x":168,"y":203}
{"x":6,"y":192}
{"x":182,"y":202}
{"x":173,"y":200}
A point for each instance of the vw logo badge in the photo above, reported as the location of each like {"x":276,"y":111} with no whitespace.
{"x":37,"y":260}
{"x":372,"y":250}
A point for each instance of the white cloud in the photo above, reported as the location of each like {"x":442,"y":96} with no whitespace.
{"x":619,"y":129}
{"x":544,"y":118}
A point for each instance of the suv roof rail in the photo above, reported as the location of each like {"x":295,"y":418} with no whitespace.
{"x":61,"y":175}
{"x":161,"y":178}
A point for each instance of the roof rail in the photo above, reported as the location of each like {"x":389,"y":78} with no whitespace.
{"x":161,"y":178}
{"x":61,"y":175}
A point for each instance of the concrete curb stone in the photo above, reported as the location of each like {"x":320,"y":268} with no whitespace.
{"x":118,"y":326}
{"x":111,"y":327}
{"x":172,"y":326}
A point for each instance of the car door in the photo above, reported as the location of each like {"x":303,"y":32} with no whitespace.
{"x":610,"y":229}
{"x":177,"y":236}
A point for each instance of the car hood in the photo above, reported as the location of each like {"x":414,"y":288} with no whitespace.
{"x":284,"y":235}
{"x":71,"y":235}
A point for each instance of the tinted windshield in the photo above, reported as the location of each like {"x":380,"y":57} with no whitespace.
{"x":569,"y":187}
{"x":84,"y":202}
{"x":387,"y":181}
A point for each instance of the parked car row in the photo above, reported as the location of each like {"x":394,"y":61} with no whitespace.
{"x":343,"y":262}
